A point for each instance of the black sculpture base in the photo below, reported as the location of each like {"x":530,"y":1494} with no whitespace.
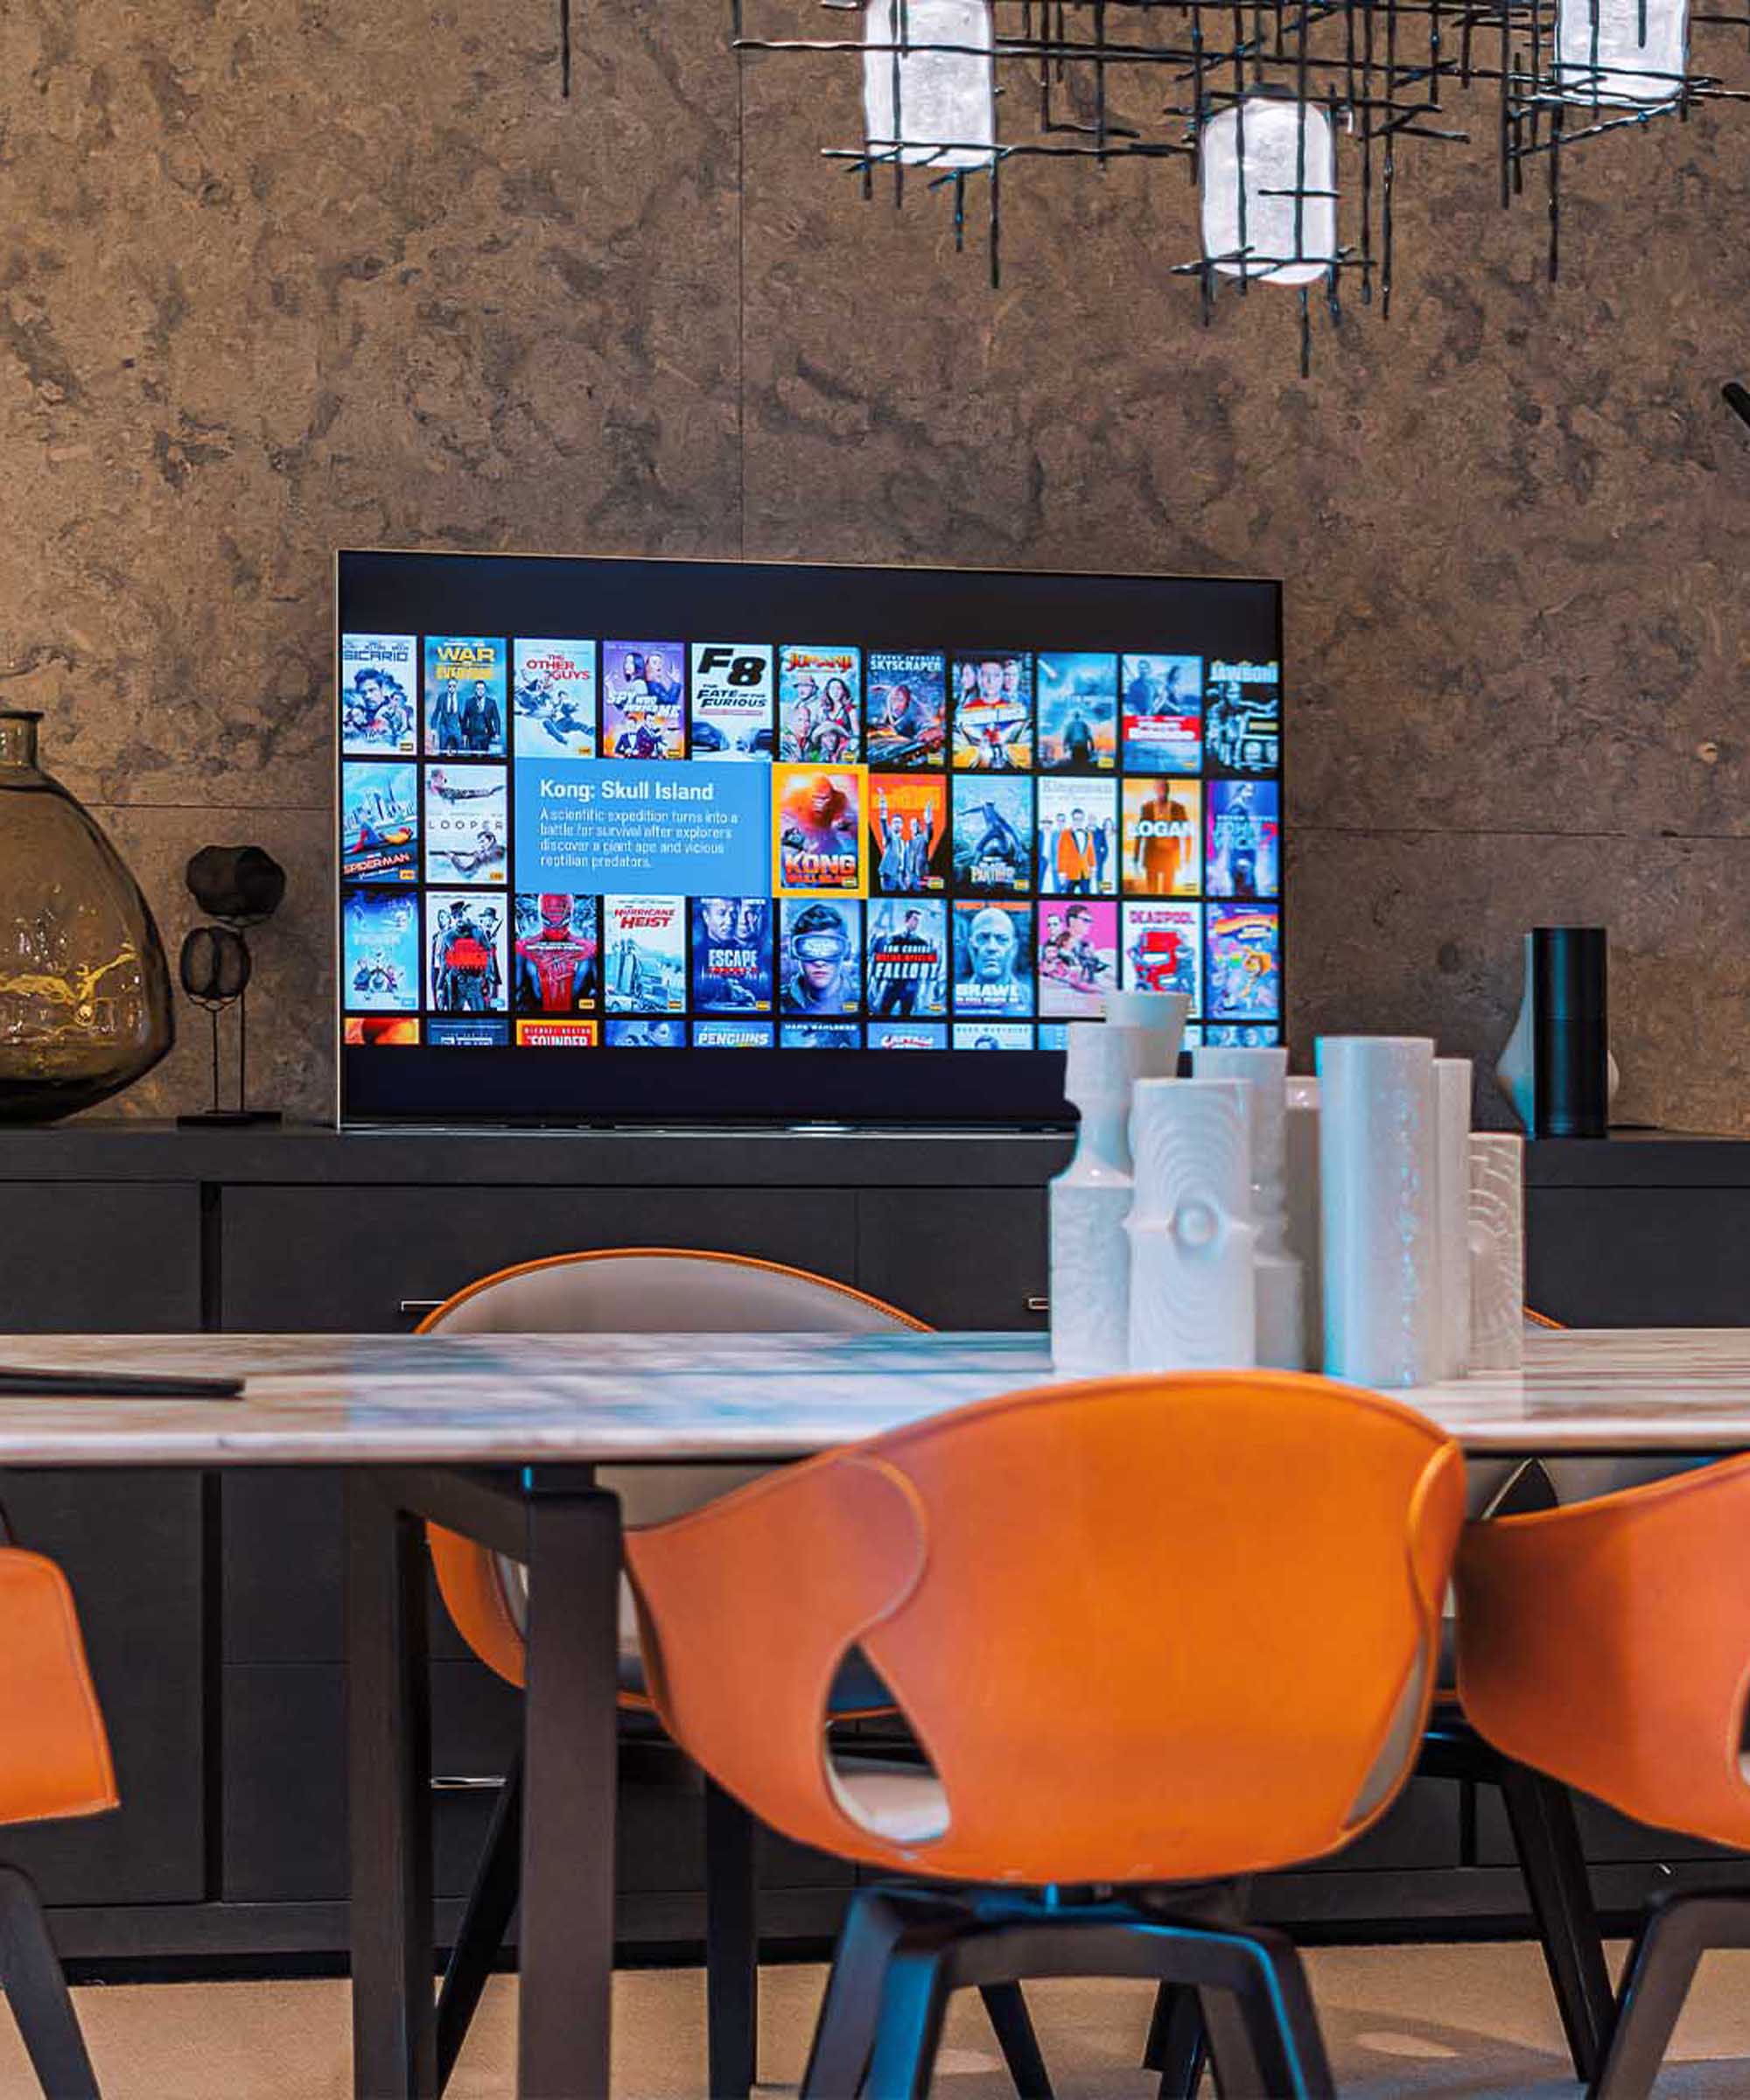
{"x":215,"y":1118}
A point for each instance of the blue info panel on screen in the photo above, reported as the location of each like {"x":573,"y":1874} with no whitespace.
{"x":644,"y":831}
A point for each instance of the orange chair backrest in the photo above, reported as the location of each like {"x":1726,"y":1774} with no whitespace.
{"x":55,"y":1754}
{"x":1146,"y":1628}
{"x":627,"y":1290}
{"x":1609,"y":1645}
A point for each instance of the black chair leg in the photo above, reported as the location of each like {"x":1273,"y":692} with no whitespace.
{"x":912,"y":2006}
{"x":1662,"y":1965}
{"x":1541,"y":1812}
{"x":492,"y":1903}
{"x":30,"y":1973}
{"x":1178,"y":2044}
{"x":1264,"y":2031}
{"x":1007,"y":2007}
{"x":844,"y":2035}
{"x":731,"y":1947}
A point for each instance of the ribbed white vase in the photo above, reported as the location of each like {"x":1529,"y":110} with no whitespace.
{"x":1452,"y":1209}
{"x":1192,"y":1298}
{"x":1301,"y":1151}
{"x":1090,"y":1200}
{"x":1377,"y":1175}
{"x":1497,"y":1249}
{"x":1280,"y":1283}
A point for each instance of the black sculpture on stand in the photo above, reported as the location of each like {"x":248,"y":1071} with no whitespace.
{"x":240,"y":886}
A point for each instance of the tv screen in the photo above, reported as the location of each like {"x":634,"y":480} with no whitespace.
{"x":719,"y":840}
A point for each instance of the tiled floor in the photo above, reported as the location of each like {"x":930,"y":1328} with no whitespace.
{"x":1447,"y":2022}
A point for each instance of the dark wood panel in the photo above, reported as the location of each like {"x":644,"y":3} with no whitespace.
{"x":331,"y":1259}
{"x":1630,"y":1257}
{"x":85,"y":1258}
{"x":285,"y":1818}
{"x":957,"y":1258}
{"x":131,"y":1544}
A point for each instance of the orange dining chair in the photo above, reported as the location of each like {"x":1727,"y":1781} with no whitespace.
{"x":1110,"y":1615}
{"x":54,"y":1762}
{"x":643,"y":1290}
{"x":1608,"y":1644}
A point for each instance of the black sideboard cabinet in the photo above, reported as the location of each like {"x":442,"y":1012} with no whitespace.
{"x":211,"y":1602}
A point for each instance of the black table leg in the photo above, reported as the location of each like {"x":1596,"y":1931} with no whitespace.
{"x":389,"y":1732}
{"x":571,"y":1737}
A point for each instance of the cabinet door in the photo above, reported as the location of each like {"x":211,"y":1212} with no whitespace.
{"x":957,"y":1258}
{"x":118,"y":1257}
{"x":131,"y":1544}
{"x":324,"y":1260}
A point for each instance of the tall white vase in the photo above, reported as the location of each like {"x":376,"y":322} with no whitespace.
{"x":1452,"y":1209}
{"x":1193,"y":1304}
{"x":1162,"y":1012}
{"x":1301,"y":1152}
{"x":1090,"y":1200}
{"x":1376,"y":1144}
{"x":1280,"y":1285}
{"x":1497,"y":1247}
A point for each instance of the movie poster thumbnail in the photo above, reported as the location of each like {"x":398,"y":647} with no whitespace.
{"x":993,"y":959}
{"x":380,"y":951}
{"x":550,"y":1034}
{"x":1163,"y":713}
{"x":1244,"y":963}
{"x":993,"y":712}
{"x":993,"y":832}
{"x":644,"y":955}
{"x":731,"y":954}
{"x":470,"y":1032}
{"x":992,"y":1035}
{"x":379,"y":677}
{"x":1163,"y":837}
{"x":907,"y":1035}
{"x":731,"y":700}
{"x":379,"y":1032}
{"x":467,"y":678}
{"x":1078,"y":836}
{"x":820,"y":958}
{"x":1162,"y":946}
{"x":1053,"y":1035}
{"x":818,"y":703}
{"x":905,"y":709}
{"x":1256,"y":1035}
{"x":555,"y":959}
{"x":820,"y":1035}
{"x":467,"y":824}
{"x":467,"y":952}
{"x":1078,"y":712}
{"x":733,"y":1035}
{"x":909,"y":850}
{"x":647,"y":1034}
{"x":643,"y":702}
{"x":379,"y":822}
{"x":1078,"y":957}
{"x":1245,"y":839}
{"x":1243,"y":724}
{"x":907,"y":948}
{"x":817,"y":831}
{"x":553,"y":700}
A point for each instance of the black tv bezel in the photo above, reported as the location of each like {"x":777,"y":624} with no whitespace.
{"x":461,"y":592}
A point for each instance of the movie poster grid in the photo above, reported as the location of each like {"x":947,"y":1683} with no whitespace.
{"x":1028,"y":832}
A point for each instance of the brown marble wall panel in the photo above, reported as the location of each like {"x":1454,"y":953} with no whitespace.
{"x":277,"y":279}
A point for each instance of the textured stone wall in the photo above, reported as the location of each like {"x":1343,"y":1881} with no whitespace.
{"x":274,"y":279}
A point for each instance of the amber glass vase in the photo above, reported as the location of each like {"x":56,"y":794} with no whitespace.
{"x":85,"y":1004}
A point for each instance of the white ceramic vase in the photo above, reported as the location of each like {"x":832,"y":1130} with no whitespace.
{"x":1497,"y":1250}
{"x":1377,"y":1174}
{"x":1300,"y":1150}
{"x":1192,"y":1297}
{"x":1090,"y":1200}
{"x":1280,"y":1286}
{"x":1453,"y":1210}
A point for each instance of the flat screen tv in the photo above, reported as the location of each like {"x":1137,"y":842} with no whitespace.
{"x":726,"y":840}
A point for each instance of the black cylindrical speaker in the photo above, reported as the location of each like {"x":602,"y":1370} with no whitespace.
{"x":1571,"y":1030}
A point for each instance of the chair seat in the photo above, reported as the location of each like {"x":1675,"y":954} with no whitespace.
{"x":906,"y":1804}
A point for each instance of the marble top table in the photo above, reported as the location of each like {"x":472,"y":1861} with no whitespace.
{"x":481,"y":1399}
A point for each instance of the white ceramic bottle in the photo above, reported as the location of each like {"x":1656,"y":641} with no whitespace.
{"x":1280,"y":1285}
{"x":1193,"y":1303}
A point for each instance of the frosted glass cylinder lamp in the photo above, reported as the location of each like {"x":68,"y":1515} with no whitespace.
{"x":929,"y":82}
{"x":1269,"y":180}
